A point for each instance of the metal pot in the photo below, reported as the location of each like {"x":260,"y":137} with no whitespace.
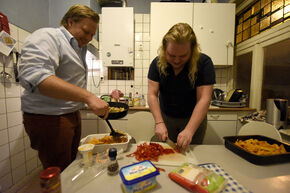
{"x":277,"y":113}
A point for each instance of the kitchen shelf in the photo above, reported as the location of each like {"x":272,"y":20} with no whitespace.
{"x":120,"y":73}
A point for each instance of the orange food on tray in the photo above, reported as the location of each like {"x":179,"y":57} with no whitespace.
{"x":107,"y":139}
{"x":150,"y":151}
{"x":260,"y":147}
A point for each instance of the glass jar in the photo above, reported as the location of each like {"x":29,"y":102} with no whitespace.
{"x":113,"y":166}
{"x":50,"y":180}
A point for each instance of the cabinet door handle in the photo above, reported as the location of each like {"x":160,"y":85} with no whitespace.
{"x":215,"y":116}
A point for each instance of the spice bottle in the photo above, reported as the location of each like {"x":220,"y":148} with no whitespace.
{"x":143,"y":101}
{"x":50,"y":180}
{"x":130,"y":101}
{"x":113,"y":166}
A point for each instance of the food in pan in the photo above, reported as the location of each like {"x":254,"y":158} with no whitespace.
{"x":116,"y":109}
{"x":107,"y":139}
{"x":258,"y":147}
{"x":150,"y":151}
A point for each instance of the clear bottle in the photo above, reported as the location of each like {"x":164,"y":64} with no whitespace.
{"x":130,"y":100}
{"x":137,"y":99}
{"x":113,"y":166}
{"x":143,"y":101}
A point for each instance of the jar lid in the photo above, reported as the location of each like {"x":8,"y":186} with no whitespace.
{"x":112,"y":152}
{"x":49,"y":172}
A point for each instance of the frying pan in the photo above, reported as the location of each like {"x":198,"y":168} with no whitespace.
{"x":116,"y":115}
{"x":119,"y":114}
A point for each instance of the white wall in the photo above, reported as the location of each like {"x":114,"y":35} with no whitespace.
{"x":17,"y":158}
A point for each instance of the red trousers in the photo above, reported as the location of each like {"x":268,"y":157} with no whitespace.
{"x":55,"y":137}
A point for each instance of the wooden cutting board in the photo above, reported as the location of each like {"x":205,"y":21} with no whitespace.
{"x":175,"y":159}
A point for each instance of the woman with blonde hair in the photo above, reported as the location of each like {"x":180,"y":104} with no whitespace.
{"x":180,"y":83}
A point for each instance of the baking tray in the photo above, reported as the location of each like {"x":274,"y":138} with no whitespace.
{"x":99,"y":148}
{"x":257,"y":159}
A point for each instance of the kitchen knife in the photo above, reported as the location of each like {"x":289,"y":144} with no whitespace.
{"x":170,"y":143}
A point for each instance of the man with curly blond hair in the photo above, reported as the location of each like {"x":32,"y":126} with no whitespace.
{"x":180,"y":84}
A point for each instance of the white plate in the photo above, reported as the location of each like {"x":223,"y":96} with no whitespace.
{"x":121,"y":147}
{"x":285,"y":131}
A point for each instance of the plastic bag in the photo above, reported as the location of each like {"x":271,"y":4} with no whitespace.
{"x":197,"y":179}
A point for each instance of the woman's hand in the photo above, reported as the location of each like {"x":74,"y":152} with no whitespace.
{"x":161,"y":131}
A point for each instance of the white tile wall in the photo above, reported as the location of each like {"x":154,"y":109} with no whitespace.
{"x":3,"y":137}
{"x":2,"y":89}
{"x":2,"y":106}
{"x":4,"y":152}
{"x":6,"y":181}
{"x":31,"y":165}
{"x":13,"y":104}
{"x":16,"y":146}
{"x":30,"y":153}
{"x":17,"y":160}
{"x":16,"y":132}
{"x":18,"y":173}
{"x":3,"y":121}
{"x":14,"y":143}
{"x":14,"y":118}
{"x":4,"y":167}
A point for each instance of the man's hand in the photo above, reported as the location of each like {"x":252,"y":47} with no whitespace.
{"x":161,"y":131}
{"x":184,"y":139}
{"x":98,"y":106}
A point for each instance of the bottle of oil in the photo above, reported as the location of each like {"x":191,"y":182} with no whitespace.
{"x":137,"y":99}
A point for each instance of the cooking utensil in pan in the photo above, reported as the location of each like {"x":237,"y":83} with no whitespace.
{"x":113,"y":132}
{"x":116,"y":115}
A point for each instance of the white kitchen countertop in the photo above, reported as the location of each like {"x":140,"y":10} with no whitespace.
{"x":256,"y":178}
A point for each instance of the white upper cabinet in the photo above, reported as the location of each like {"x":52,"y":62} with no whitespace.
{"x":163,"y":17}
{"x":213,"y":24}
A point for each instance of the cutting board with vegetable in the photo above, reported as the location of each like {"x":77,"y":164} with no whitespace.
{"x":167,"y":159}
